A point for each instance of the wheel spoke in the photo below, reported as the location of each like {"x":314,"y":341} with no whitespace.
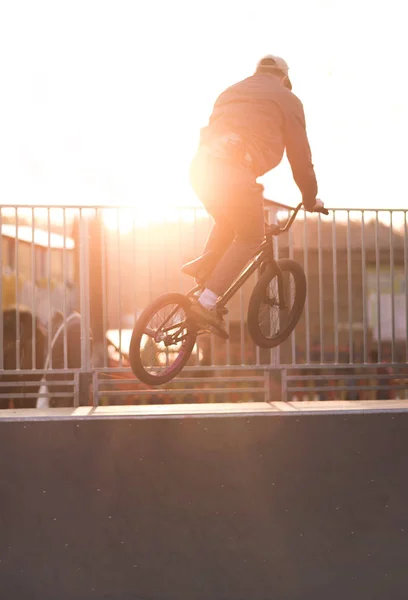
{"x":150,"y":332}
{"x":270,"y":316}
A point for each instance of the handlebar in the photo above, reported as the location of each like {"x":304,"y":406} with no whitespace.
{"x":279,"y":230}
{"x":273,"y":204}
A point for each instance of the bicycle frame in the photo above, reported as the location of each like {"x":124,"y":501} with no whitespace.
{"x":264,"y":253}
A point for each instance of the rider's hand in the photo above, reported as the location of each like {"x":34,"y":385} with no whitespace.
{"x":318,"y":206}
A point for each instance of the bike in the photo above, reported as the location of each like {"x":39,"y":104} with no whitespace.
{"x":163,"y":337}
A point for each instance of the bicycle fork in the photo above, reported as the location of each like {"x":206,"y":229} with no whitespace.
{"x":274,"y":267}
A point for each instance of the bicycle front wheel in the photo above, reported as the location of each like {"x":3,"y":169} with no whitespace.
{"x":272,"y":319}
{"x":162,"y":340}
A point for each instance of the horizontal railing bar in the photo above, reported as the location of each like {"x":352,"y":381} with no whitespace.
{"x":31,"y":383}
{"x":346,"y":388}
{"x":167,"y":392}
{"x":180,"y":207}
{"x":39,"y":395}
{"x":187,"y":380}
{"x":290,"y":367}
{"x":199,"y":368}
{"x":341,"y":377}
{"x":18,"y":372}
{"x":326,"y":366}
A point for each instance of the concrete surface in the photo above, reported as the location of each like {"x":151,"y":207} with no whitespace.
{"x":164,"y":503}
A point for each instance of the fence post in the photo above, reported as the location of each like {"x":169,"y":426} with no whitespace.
{"x":84,"y":388}
{"x":267,"y":385}
{"x":85,"y":377}
{"x":284,"y":384}
{"x":84,"y":291}
{"x":273,"y":380}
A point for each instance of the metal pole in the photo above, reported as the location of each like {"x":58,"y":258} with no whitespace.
{"x":363,"y":271}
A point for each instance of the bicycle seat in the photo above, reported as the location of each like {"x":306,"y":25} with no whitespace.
{"x":201,"y":267}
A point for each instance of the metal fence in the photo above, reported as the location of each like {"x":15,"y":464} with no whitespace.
{"x":74,"y":280}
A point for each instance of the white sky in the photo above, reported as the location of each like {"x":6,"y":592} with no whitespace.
{"x":102,"y":100}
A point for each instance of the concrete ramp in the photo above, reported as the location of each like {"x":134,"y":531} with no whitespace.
{"x":257,"y":502}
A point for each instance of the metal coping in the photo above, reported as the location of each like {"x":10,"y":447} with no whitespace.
{"x":184,"y":411}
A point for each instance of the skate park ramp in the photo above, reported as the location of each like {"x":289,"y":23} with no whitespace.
{"x":263,"y":502}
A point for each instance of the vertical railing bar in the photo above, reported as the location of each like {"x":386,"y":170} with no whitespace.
{"x":104,"y":291}
{"x":49,"y":285}
{"x":65,"y":277}
{"x":95,"y":389}
{"x":257,"y":348}
{"x":270,"y":221}
{"x":284,"y":379}
{"x":406,"y":282}
{"x":83,"y":296}
{"x":17,"y":273}
{"x":2,"y":307}
{"x":212,"y":337}
{"x":118,"y":254}
{"x":212,"y":349}
{"x":391,"y":241}
{"x":267,"y":385}
{"x":293,"y":334}
{"x":335,"y":296}
{"x":306,"y":269}
{"x":274,"y":354}
{"x":166,"y":254}
{"x":228,"y":342}
{"x":76,"y":388}
{"x":149,"y":260}
{"x":134,"y":265}
{"x":377,"y":268}
{"x":197,"y":361}
{"x":241,"y":325}
{"x":349,"y":292}
{"x":363,"y":271}
{"x":320,"y":268}
{"x":180,"y":229}
{"x":33,"y":306}
{"x":88,"y":303}
{"x":257,"y":355}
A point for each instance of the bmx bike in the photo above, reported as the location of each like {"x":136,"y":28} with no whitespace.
{"x":164,"y":336}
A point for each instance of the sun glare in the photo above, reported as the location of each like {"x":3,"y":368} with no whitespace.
{"x":125,"y":220}
{"x":114,"y":118}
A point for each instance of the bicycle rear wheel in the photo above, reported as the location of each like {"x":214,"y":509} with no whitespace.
{"x":270,"y":323}
{"x":162,"y":340}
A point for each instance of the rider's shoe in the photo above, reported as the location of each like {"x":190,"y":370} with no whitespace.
{"x":208,"y":318}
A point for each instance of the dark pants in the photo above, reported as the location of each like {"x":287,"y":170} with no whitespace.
{"x":233,"y":198}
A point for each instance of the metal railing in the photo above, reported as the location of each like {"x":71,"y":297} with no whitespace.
{"x":74,"y":280}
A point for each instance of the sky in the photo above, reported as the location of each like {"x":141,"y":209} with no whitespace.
{"x":102,"y":100}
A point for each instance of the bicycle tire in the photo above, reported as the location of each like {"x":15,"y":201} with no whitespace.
{"x":135,"y":350}
{"x":259,"y":295}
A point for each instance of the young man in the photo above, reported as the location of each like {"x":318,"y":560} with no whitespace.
{"x":251,"y":125}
